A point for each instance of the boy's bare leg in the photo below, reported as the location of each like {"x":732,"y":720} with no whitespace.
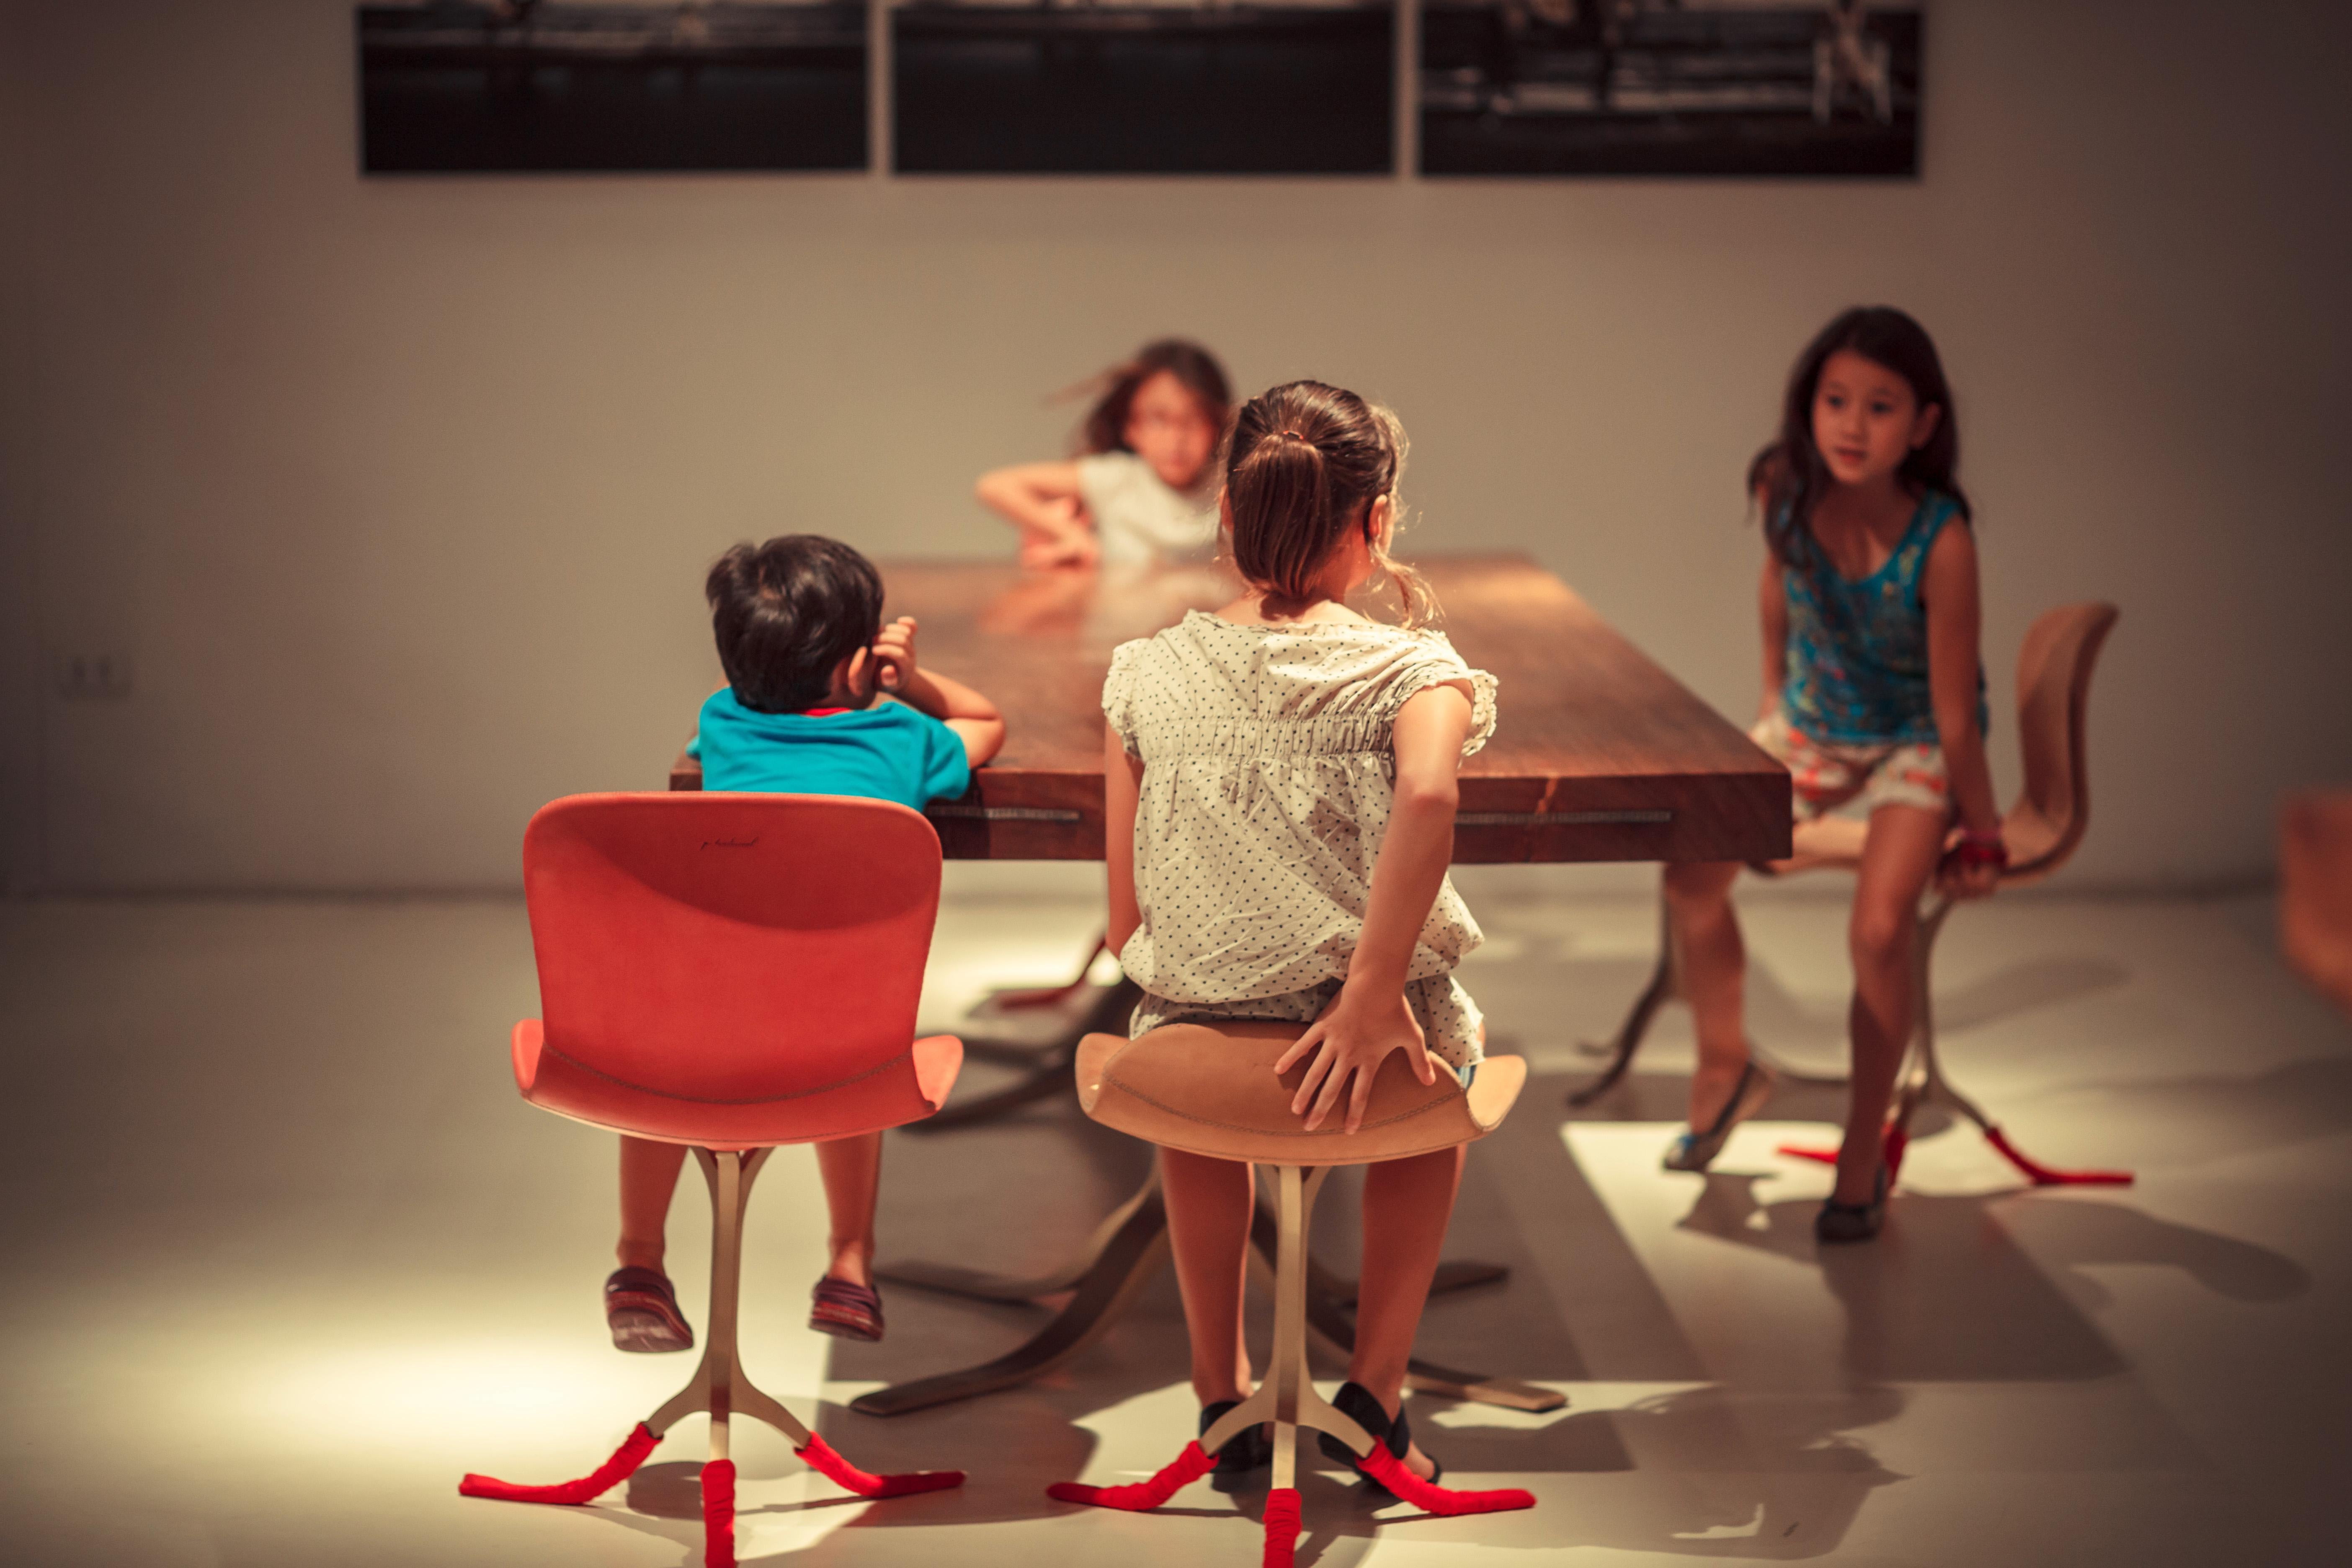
{"x":1900,"y":855}
{"x":852,"y":1170}
{"x":648,"y":1181}
{"x":1714,"y":978}
{"x":1209,"y":1202}
{"x":1406,"y":1206}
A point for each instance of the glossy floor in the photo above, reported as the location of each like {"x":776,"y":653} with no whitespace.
{"x":290,"y":1256}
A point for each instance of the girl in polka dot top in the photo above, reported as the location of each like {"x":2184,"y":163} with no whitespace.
{"x":1280,"y":817}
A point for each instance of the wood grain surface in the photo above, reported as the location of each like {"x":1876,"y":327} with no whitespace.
{"x":1599,"y":754}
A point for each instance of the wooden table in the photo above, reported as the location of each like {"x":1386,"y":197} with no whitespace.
{"x":1600,"y":755}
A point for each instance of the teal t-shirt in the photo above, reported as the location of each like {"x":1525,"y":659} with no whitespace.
{"x":887,"y":752}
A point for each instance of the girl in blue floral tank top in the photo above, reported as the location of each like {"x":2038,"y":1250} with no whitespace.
{"x":1873,"y":698}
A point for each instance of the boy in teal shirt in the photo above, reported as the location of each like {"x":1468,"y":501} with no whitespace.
{"x":821,"y":698}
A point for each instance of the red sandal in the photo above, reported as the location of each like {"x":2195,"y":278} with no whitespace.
{"x":846,"y":1310}
{"x":642,"y":1312}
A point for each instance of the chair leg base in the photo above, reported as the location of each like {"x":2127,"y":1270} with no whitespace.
{"x":1282,"y":1524}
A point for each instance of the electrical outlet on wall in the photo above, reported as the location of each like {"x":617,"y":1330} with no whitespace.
{"x":93,"y":676}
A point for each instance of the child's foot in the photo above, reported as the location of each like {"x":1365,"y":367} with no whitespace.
{"x":1698,"y":1145}
{"x":1249,"y":1450}
{"x":642,"y":1312}
{"x":1394,"y":1433}
{"x":846,"y":1310}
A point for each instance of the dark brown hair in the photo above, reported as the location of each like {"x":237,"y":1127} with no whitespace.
{"x":1104,"y":429}
{"x":1303,"y":463}
{"x":786,"y":613}
{"x":1790,"y":474}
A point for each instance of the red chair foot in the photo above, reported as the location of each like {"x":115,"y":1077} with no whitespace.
{"x":718,"y":1514}
{"x":587,"y":1489}
{"x":1897,"y":1141}
{"x":1389,"y":1470}
{"x":820,"y":1456}
{"x":1281,"y":1528}
{"x":1140,"y":1497}
{"x":2043,"y":1175}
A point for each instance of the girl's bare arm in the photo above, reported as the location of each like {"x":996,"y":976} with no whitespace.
{"x":1370,"y":1018}
{"x":1043,"y":501}
{"x":1122,"y":786}
{"x":1948,"y":589}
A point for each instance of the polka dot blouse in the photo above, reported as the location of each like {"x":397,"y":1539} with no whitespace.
{"x":1268,"y":782}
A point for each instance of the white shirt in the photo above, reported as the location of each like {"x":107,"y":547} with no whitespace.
{"x":1139,"y":520}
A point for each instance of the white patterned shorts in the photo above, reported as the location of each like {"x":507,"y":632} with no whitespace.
{"x":1451,"y":1024}
{"x":1826,"y":776}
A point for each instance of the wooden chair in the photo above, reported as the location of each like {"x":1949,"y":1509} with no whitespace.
{"x":2042,"y":831}
{"x":1213,"y":1091}
{"x":733,"y":972}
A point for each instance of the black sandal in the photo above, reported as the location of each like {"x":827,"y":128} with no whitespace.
{"x":1853,"y":1222}
{"x":1696,"y":1151}
{"x":1355,"y":1401}
{"x":1247,"y":1449}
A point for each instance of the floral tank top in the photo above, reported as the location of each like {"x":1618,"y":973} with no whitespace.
{"x":1856,"y":670}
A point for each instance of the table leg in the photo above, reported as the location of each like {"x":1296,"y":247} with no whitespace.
{"x":1125,"y":1264}
{"x":1120,"y":1258}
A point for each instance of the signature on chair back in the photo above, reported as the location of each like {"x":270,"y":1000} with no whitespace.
{"x":726,"y":950}
{"x":2053,"y":684}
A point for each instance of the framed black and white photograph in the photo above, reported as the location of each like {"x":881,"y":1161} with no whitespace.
{"x":1670,"y":86}
{"x":1158,"y":87}
{"x":495,"y":86}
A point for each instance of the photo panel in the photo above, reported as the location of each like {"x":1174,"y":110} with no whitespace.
{"x":1670,"y":86}
{"x":1152,"y":87}
{"x":510,"y":85}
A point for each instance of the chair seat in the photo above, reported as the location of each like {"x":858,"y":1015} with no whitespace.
{"x":905,"y":1089}
{"x":1212,"y":1089}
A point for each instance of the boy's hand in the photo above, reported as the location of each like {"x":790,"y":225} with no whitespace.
{"x":894,"y":655}
{"x":1350,"y":1040}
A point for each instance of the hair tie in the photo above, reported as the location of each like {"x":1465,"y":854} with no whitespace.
{"x":1292,"y":434}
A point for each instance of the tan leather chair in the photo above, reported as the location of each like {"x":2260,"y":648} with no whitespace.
{"x":2042,"y":831}
{"x":1213,"y":1091}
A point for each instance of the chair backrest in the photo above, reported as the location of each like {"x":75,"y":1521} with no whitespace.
{"x":2053,"y":685}
{"x":730,"y":949}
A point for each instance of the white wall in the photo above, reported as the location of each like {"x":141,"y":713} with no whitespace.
{"x":398,"y":492}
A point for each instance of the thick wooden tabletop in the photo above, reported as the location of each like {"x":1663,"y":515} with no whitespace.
{"x":1599,"y":754}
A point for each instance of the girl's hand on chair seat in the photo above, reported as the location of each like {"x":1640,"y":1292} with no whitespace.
{"x":1348,"y":1042}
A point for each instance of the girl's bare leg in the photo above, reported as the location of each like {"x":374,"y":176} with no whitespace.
{"x":1900,"y":855}
{"x":1714,"y":977}
{"x":648,"y":1181}
{"x":1406,"y":1206}
{"x":1209,"y":1206}
{"x":852,"y":1170}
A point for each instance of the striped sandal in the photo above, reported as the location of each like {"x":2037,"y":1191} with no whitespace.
{"x":846,"y":1310}
{"x":642,"y":1312}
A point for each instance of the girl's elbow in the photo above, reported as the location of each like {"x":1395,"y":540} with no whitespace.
{"x":1428,"y":798}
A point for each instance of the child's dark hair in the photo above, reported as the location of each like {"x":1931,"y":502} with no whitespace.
{"x":786,"y":613}
{"x":1303,"y":463}
{"x":1104,"y":429}
{"x":1790,"y":473}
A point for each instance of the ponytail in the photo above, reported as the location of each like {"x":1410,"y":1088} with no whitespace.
{"x":1305,"y":462}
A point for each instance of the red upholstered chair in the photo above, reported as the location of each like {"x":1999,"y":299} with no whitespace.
{"x":2040,"y":832}
{"x":730,"y":972}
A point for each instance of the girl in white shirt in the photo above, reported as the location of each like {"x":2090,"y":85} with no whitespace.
{"x":1143,"y":491}
{"x":1280,"y":793}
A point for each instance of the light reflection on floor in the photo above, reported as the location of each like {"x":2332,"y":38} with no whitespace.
{"x":292,"y":1256}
